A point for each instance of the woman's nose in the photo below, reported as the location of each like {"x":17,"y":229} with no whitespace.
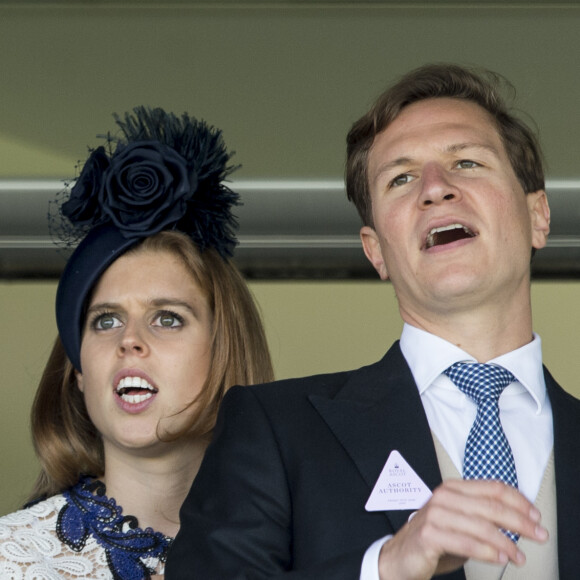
{"x":132,"y":341}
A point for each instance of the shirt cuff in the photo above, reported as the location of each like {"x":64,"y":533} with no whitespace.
{"x":369,"y":569}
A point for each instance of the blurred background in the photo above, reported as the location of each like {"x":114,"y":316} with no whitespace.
{"x":284,"y":81}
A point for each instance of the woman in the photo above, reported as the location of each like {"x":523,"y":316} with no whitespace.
{"x":155,"y":323}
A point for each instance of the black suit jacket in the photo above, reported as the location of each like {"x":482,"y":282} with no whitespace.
{"x":282,"y":489}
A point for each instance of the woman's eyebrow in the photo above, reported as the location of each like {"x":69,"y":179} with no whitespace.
{"x":155,"y":302}
{"x":161,"y":302}
{"x":103,"y":306}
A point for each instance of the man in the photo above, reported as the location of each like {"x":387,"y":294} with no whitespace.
{"x":358,"y":474}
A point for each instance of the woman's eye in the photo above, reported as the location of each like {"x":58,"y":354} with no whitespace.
{"x":467,"y":164}
{"x":168,"y":320}
{"x":106,"y":322}
{"x":401,"y":180}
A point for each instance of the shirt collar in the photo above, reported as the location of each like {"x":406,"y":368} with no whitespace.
{"x":428,"y":356}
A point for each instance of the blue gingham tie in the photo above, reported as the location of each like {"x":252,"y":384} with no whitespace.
{"x":488,"y":454}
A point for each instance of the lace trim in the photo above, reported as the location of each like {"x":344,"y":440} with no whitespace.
{"x":89,"y":512}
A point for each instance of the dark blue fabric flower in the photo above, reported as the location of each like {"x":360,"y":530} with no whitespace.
{"x":83,"y":206}
{"x":147,"y":187}
{"x":162,"y":172}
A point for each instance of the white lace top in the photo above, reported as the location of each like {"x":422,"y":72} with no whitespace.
{"x":78,"y":535}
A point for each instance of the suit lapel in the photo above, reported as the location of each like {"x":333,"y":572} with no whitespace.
{"x":566,"y":415}
{"x":379,"y":410}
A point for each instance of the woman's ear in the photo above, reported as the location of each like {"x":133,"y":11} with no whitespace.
{"x":79,"y":378}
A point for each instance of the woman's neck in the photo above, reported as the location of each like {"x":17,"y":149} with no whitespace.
{"x":153,"y":488}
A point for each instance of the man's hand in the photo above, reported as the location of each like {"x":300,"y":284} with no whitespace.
{"x":462,"y":520}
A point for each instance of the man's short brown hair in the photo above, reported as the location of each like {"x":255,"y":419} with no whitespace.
{"x":441,"y":81}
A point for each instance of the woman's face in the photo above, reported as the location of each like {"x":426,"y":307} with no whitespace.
{"x":145,"y":351}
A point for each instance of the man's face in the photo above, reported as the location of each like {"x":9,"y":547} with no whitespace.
{"x":453,"y":226}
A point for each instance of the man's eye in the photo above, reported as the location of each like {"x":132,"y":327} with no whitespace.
{"x":106,"y":322}
{"x":168,"y":320}
{"x":401,"y":180}
{"x":467,"y":164}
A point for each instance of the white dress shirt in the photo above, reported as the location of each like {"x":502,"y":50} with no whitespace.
{"x":525,"y":410}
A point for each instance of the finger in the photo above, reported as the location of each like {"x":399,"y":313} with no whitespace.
{"x":494,"y":501}
{"x":489,"y":488}
{"x":464,"y":535}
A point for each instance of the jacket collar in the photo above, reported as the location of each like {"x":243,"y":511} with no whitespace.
{"x":379,"y":410}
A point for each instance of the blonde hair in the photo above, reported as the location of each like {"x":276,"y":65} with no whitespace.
{"x":66,"y":441}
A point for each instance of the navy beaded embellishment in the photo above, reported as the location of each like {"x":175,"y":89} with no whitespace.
{"x":88,"y":511}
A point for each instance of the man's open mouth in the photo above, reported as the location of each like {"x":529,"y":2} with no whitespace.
{"x":447,"y":234}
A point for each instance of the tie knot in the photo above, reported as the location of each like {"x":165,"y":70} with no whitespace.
{"x":481,"y":382}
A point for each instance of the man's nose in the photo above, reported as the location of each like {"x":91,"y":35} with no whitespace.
{"x":437,"y":186}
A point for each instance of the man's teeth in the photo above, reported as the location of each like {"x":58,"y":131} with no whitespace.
{"x":433,"y":234}
{"x":129,"y":383}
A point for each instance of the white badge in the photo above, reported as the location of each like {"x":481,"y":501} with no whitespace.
{"x":398,"y":487}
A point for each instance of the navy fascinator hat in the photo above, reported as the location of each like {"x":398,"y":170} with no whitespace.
{"x":162,"y":173}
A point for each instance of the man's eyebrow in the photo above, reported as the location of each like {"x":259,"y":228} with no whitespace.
{"x":454,"y":148}
{"x":384,"y":167}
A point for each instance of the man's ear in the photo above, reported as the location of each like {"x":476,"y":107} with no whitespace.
{"x":373,"y":251}
{"x":79,"y":378}
{"x":540,"y":217}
